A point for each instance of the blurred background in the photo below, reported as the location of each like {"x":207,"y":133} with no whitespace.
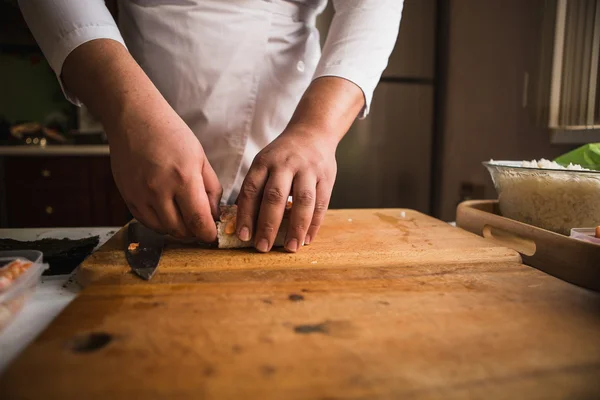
{"x":468,"y":80}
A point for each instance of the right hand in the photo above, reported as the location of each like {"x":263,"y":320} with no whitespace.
{"x":163,"y":174}
{"x":158,"y":164}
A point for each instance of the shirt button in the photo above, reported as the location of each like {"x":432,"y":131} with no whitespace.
{"x":300,"y":66}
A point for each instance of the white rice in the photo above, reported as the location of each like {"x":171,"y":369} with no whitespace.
{"x":233,"y":242}
{"x":552,"y":200}
{"x":546,"y":164}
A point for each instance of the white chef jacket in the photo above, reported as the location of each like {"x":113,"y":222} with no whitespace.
{"x":234,"y":70}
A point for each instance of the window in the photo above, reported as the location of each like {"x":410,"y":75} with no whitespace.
{"x":574,"y":93}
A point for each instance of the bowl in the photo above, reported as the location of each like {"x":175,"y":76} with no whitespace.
{"x":553,"y":199}
{"x":14,"y":295}
{"x":586,"y":235}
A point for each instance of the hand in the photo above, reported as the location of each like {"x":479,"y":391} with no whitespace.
{"x":158,"y":164}
{"x":162,"y":173}
{"x":300,"y":163}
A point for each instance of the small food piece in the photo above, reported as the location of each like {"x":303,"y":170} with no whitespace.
{"x":226,"y":229}
{"x":133,"y":246}
{"x":231,"y":225}
{"x":598,"y":232}
{"x":10,"y":272}
{"x":5,"y":282}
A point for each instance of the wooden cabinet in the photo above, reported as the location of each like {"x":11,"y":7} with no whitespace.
{"x":61,"y":192}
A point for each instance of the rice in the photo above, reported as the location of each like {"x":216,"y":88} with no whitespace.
{"x":546,"y":164}
{"x":557,"y":199}
{"x":226,"y":228}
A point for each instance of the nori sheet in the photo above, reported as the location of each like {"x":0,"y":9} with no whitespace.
{"x":63,"y":255}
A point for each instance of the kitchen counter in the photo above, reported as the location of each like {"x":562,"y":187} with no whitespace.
{"x":51,"y":296}
{"x":55,"y":150}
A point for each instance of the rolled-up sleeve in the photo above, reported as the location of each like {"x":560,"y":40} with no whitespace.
{"x":60,"y":26}
{"x":360,"y":40}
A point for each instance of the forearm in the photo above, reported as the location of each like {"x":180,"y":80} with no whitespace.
{"x":157,"y":163}
{"x":360,"y":40}
{"x":109,"y":82}
{"x":328,"y":109}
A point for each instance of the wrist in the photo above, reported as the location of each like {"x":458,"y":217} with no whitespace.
{"x":327,"y":110}
{"x":322,"y":136}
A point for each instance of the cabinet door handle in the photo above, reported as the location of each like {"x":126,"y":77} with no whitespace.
{"x":46,"y":173}
{"x":49,"y":210}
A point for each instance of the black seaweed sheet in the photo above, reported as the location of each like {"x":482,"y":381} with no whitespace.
{"x":63,"y":255}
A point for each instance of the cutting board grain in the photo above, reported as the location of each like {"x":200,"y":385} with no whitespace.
{"x":369,"y":238}
{"x":472,"y":325}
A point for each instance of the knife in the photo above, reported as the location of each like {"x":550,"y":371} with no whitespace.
{"x":143,"y":249}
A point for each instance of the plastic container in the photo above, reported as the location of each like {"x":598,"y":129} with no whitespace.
{"x":585,"y":234}
{"x":14,"y":296}
{"x":553,"y":199}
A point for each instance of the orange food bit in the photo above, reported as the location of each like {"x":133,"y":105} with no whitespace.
{"x":10,"y":272}
{"x":598,"y":232}
{"x":4,"y":282}
{"x":133,"y":246}
{"x":230,"y":226}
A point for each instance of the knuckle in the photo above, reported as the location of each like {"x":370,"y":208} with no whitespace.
{"x":299,"y":228}
{"x":268,"y":229}
{"x":261,"y":161}
{"x":180,"y":176}
{"x":324,"y":176}
{"x":154,"y":187}
{"x":321,"y":207}
{"x":327,"y":172}
{"x":305,"y":198}
{"x":289,"y":160}
{"x":274,"y":196}
{"x":314,"y":224}
{"x":249,"y":190}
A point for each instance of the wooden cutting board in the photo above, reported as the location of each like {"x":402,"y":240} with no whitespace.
{"x":347,"y":239}
{"x":452,"y":317}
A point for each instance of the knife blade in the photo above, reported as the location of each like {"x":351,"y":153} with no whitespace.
{"x":143,"y":249}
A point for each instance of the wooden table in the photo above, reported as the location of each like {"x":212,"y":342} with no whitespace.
{"x":385,"y":304}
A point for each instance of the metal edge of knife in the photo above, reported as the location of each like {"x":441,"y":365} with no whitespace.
{"x":145,"y":258}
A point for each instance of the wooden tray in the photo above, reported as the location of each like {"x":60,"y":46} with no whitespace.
{"x":569,"y":259}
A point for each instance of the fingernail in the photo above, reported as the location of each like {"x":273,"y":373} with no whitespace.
{"x":244,"y":234}
{"x":262,"y":245}
{"x":307,"y":239}
{"x":292,"y":245}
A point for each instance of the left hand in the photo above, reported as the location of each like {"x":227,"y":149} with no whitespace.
{"x":299,"y":162}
